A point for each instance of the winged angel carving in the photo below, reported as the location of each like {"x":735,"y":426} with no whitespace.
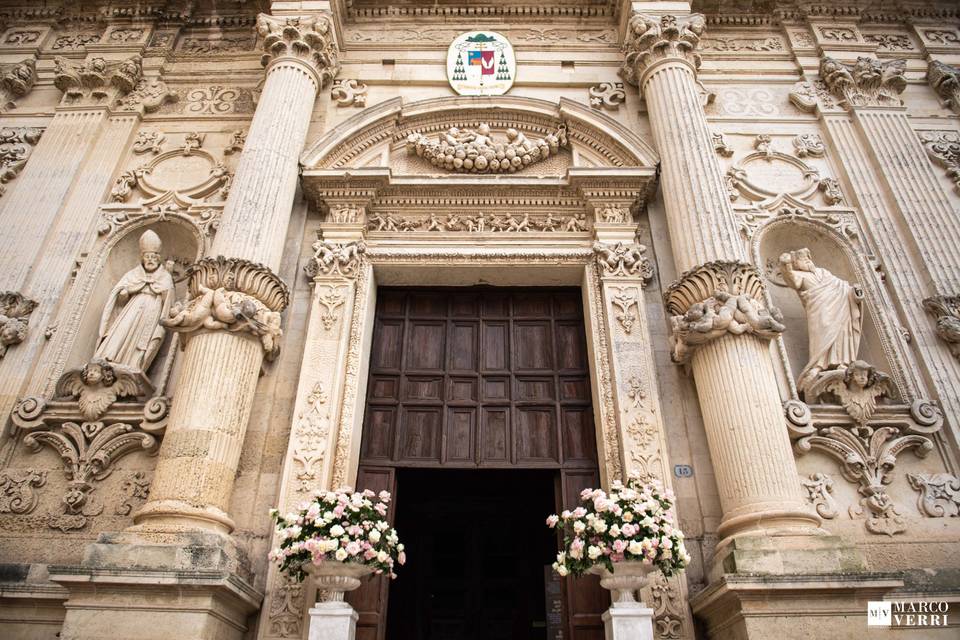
{"x":858,"y":387}
{"x":98,"y":385}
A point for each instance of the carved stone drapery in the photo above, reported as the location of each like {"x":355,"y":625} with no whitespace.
{"x":233,"y":295}
{"x":946,"y":310}
{"x":15,"y":312}
{"x":94,"y":81}
{"x":309,"y":40}
{"x":16,"y":145}
{"x":945,"y":80}
{"x":15,"y":82}
{"x":650,"y":39}
{"x":866,"y":83}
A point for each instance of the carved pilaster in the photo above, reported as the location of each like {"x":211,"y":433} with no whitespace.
{"x":16,"y":82}
{"x":716,"y":299}
{"x":307,"y":39}
{"x":651,"y":39}
{"x":866,"y":83}
{"x":945,"y":80}
{"x":233,"y":295}
{"x":95,"y":81}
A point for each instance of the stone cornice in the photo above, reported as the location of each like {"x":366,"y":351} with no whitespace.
{"x":650,"y":39}
{"x":307,"y":39}
{"x":866,"y":83}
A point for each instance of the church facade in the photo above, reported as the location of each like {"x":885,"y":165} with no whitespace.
{"x":483,"y":256}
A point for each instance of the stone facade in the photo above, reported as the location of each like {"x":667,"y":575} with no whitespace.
{"x":216,"y":190}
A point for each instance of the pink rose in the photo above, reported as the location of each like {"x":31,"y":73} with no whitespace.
{"x":552,"y":521}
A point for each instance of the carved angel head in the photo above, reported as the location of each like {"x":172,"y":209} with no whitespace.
{"x":12,"y":331}
{"x":862,"y":375}
{"x":98,"y":372}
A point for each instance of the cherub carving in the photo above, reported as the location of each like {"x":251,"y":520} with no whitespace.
{"x":858,"y":387}
{"x":576,"y":222}
{"x":98,"y":385}
{"x":718,"y":315}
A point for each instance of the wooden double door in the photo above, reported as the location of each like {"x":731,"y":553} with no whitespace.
{"x":487,"y":385}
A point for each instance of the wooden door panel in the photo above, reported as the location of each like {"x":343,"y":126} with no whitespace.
{"x":425,"y":346}
{"x":495,"y":435}
{"x":533,"y":348}
{"x":495,"y":345}
{"x":462,"y":353}
{"x":585,"y":599}
{"x":370,"y":600}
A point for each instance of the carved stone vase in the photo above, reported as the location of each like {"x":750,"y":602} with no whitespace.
{"x":626,"y":619}
{"x":331,"y":618}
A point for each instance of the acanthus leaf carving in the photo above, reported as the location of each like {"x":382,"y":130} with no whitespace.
{"x":946,"y":311}
{"x":15,"y":310}
{"x":16,"y":81}
{"x":476,"y":151}
{"x":939,"y":494}
{"x":336,"y":259}
{"x":867,"y":82}
{"x":312,"y":431}
{"x":943,"y":147}
{"x":18,"y":490}
{"x":95,"y":80}
{"x":307,"y":39}
{"x":652,"y":38}
{"x":233,"y":295}
{"x":607,"y":95}
{"x":348,"y":92}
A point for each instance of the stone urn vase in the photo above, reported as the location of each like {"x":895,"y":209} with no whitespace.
{"x":626,"y":619}
{"x":332,"y":618}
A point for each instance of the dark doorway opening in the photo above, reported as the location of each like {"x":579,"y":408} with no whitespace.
{"x":477,"y":547}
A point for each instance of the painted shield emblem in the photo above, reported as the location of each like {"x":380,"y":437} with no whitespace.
{"x":481,"y":63}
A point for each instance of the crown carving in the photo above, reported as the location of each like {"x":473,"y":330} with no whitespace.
{"x":307,"y":38}
{"x":866,"y":83}
{"x":651,"y":38}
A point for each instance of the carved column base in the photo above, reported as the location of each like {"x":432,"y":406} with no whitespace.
{"x":784,"y":552}
{"x":170,"y":515}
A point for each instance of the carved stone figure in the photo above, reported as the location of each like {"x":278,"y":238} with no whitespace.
{"x":718,"y":315}
{"x":476,"y":151}
{"x":858,"y":387}
{"x":15,"y":313}
{"x":99,"y":384}
{"x":834,"y":314}
{"x":130,"y":331}
{"x":946,"y":310}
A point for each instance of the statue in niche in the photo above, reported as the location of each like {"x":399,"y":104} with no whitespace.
{"x":130,"y":331}
{"x":834,"y":315}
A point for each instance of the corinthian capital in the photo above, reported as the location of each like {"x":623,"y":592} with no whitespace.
{"x":945,"y":80}
{"x":651,"y":38}
{"x":95,"y":80}
{"x":308,"y":39}
{"x":16,"y":81}
{"x":866,"y":83}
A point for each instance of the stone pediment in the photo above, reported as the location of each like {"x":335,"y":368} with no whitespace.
{"x":479,"y":137}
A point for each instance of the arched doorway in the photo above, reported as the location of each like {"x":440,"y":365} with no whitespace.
{"x":479,"y":419}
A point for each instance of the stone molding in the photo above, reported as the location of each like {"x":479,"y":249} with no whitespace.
{"x":94,"y":81}
{"x":15,"y":310}
{"x":477,"y":151}
{"x":866,"y":83}
{"x":16,"y":81}
{"x":946,"y":310}
{"x":945,"y":80}
{"x":651,"y":39}
{"x":715,"y":299}
{"x":234,"y":295}
{"x":307,"y":39}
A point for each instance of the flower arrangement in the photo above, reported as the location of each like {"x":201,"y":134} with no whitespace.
{"x":632,"y":524}
{"x":338,"y":526}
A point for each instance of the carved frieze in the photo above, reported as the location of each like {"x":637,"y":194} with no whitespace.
{"x":233,"y":295}
{"x":480,"y":223}
{"x":149,"y":95}
{"x":890,"y":41}
{"x":945,"y":80}
{"x":349,"y":93}
{"x":651,"y":38}
{"x":15,"y":310}
{"x":607,"y":95}
{"x":477,"y":151}
{"x":715,"y":299}
{"x":198,"y":46}
{"x":946,"y":311}
{"x":95,"y":80}
{"x":866,"y":83}
{"x":16,"y":81}
{"x":741,"y":44}
{"x":336,"y":259}
{"x":212,"y":100}
{"x":75,"y":40}
{"x":308,"y":39}
{"x":16,"y":145}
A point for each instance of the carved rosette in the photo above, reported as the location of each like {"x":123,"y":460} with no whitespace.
{"x":337,"y":260}
{"x":946,"y":310}
{"x":651,"y":39}
{"x":15,"y":312}
{"x":945,"y":80}
{"x":866,"y":83}
{"x":234,"y":295}
{"x":715,"y":299}
{"x":94,"y":81}
{"x":16,"y":82}
{"x":307,"y":39}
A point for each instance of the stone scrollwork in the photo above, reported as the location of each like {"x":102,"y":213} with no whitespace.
{"x":308,"y":39}
{"x":623,"y":260}
{"x":715,"y":299}
{"x":867,"y":457}
{"x":939,"y":494}
{"x":149,"y":94}
{"x":15,"y":82}
{"x":15,"y":312}
{"x":336,"y":259}
{"x":945,"y":80}
{"x":18,"y":490}
{"x":819,"y":487}
{"x":95,"y":80}
{"x":866,"y":83}
{"x":476,"y":151}
{"x":946,"y":310}
{"x":349,"y":93}
{"x":16,"y":145}
{"x":651,"y":38}
{"x":943,"y":147}
{"x":607,"y":95}
{"x":234,"y":295}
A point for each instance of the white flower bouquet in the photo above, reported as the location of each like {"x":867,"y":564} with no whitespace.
{"x":338,"y":526}
{"x":632,"y":524}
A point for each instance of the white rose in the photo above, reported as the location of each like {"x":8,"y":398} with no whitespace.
{"x":579,"y":527}
{"x":562,"y":570}
{"x":593,"y":552}
{"x":635,"y":548}
{"x":341,"y":554}
{"x":615,"y":531}
{"x":382,"y":556}
{"x":599,"y":526}
{"x":374,"y":536}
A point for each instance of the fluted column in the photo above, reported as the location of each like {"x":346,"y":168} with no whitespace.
{"x":208,"y":418}
{"x":739,"y":399}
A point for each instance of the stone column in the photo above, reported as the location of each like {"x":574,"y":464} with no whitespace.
{"x":201,"y":449}
{"x":736,"y":382}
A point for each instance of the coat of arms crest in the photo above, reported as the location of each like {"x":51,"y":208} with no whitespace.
{"x":481,"y":63}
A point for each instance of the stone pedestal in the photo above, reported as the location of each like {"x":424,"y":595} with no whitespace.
{"x":627,"y":621}
{"x":332,"y":621}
